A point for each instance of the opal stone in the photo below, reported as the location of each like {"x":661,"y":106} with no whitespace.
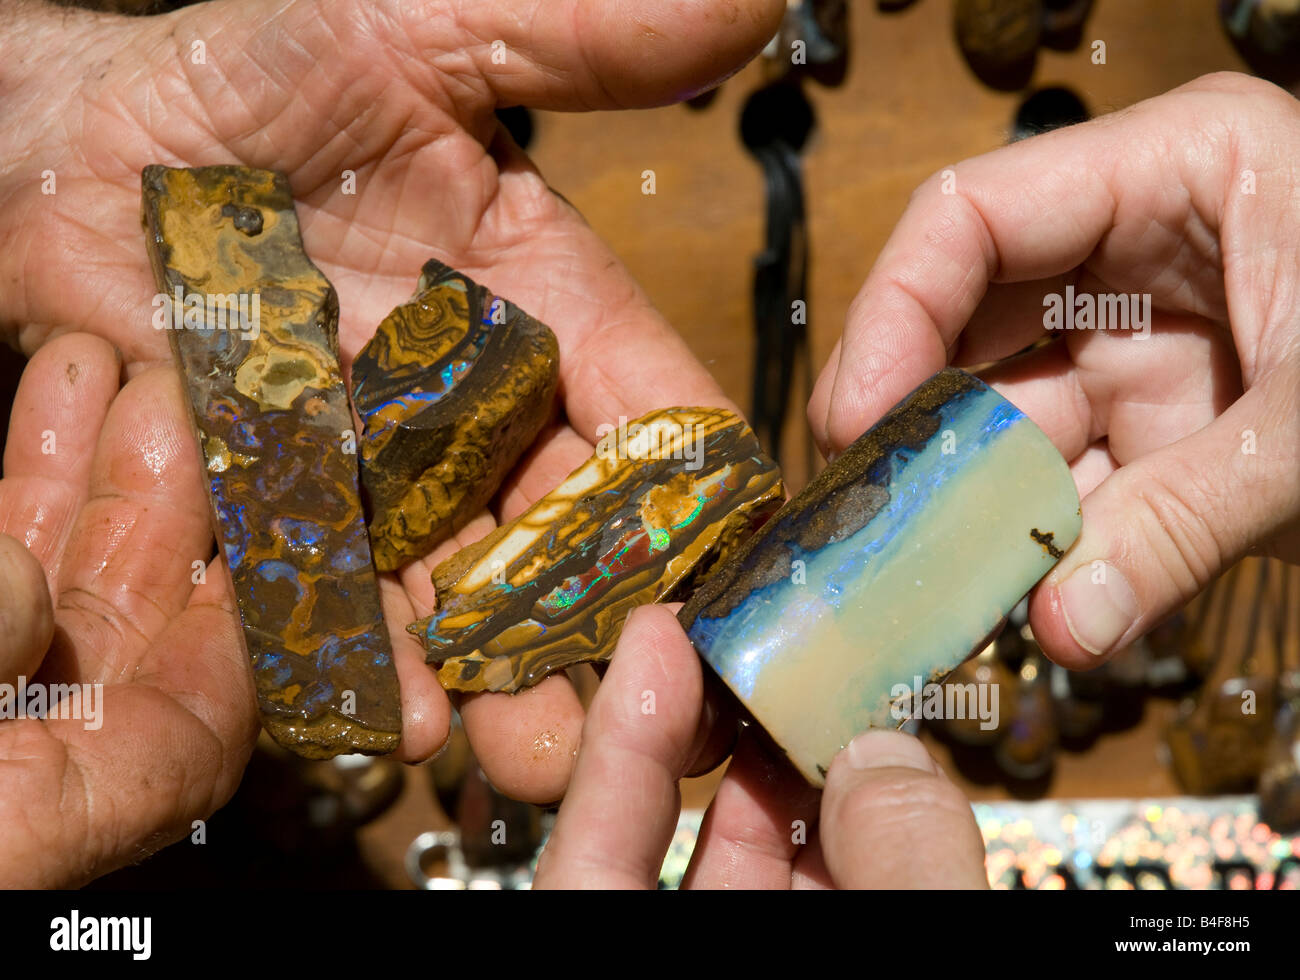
{"x":658,"y":503}
{"x":455,"y":385}
{"x":900,"y":559}
{"x":273,"y":421}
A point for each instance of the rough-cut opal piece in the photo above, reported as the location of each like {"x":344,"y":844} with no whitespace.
{"x":455,"y":385}
{"x":661,"y":500}
{"x":273,"y":421}
{"x":888,"y":570}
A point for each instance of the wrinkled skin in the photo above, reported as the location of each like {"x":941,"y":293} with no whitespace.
{"x":403,"y":94}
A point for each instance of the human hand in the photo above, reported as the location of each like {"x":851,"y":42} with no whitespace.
{"x":403,"y":94}
{"x":105,"y":489}
{"x":888,"y":818}
{"x":1185,"y":445}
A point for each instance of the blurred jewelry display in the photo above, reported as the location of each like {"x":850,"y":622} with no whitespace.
{"x":1095,"y":845}
{"x":1240,"y":731}
{"x":1218,"y":742}
{"x":1138,"y":844}
{"x":1030,"y":709}
{"x":1232,"y":657}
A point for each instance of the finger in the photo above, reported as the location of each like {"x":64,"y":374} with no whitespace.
{"x":1008,"y":319}
{"x":58,"y":411}
{"x":84,"y":796}
{"x":463,"y":59}
{"x":719,"y":727}
{"x":819,"y":402}
{"x":761,"y":815}
{"x":715,"y":735}
{"x":526,"y":743}
{"x":26,"y":614}
{"x":810,"y":871}
{"x":619,"y":816}
{"x":426,"y":709}
{"x":591,"y":54}
{"x":1140,"y":394}
{"x":1091,"y":467}
{"x":891,"y":819}
{"x":1160,"y":528}
{"x":1149,"y":392}
{"x":1047,"y":386}
{"x":130,"y":561}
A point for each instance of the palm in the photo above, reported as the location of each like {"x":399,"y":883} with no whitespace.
{"x":399,"y":95}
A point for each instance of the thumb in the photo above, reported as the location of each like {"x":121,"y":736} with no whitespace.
{"x":26,"y":613}
{"x":597,"y":54}
{"x":890,"y":818}
{"x":1159,"y":529}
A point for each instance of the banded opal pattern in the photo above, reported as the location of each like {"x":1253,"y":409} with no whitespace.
{"x":272,"y":416}
{"x":451,"y":390}
{"x":660,"y":501}
{"x":896,"y":562}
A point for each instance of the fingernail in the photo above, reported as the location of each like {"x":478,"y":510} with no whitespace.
{"x":886,"y":749}
{"x":1100,"y":606}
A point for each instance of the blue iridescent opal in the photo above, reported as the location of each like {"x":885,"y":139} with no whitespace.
{"x":274,"y":425}
{"x":894,"y":564}
{"x":451,"y":390}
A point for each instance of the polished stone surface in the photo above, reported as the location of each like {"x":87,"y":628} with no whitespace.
{"x":272,"y":416}
{"x":662,"y":498}
{"x":452,"y":389}
{"x":893,"y":565}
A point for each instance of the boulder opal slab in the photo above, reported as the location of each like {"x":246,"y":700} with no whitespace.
{"x":455,"y":385}
{"x":257,"y":346}
{"x":888,"y":570}
{"x":661,"y":500}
